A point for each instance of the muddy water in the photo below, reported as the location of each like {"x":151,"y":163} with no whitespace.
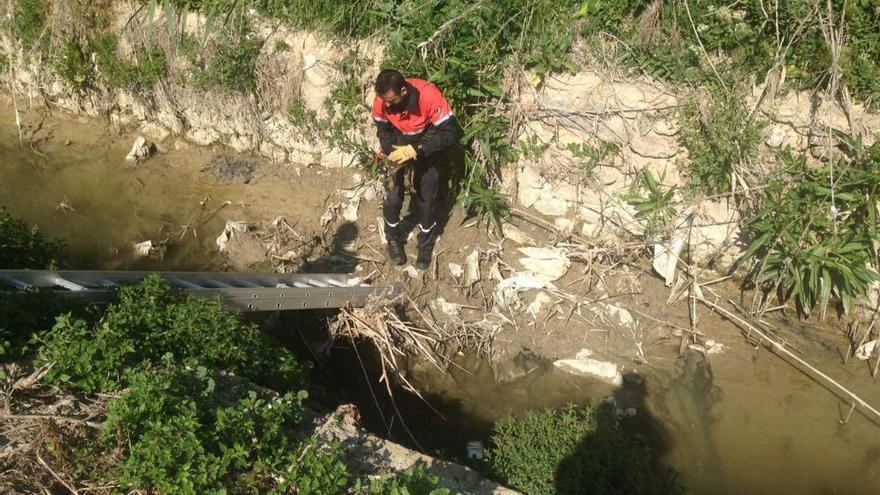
{"x":86,"y":195}
{"x":738,"y":422}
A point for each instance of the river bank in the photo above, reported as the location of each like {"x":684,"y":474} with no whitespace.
{"x":734,"y":414}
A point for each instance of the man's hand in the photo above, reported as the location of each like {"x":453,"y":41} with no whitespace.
{"x":402,"y":154}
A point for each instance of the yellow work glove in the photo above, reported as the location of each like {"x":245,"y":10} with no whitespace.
{"x":402,"y":154}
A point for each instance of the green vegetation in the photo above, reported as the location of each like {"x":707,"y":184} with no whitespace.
{"x":23,"y":246}
{"x":153,"y":324}
{"x":656,"y":206}
{"x":574,"y":451}
{"x":721,"y":141}
{"x":232,"y":66}
{"x":28,"y":21}
{"x":815,"y":233}
{"x":589,"y":157}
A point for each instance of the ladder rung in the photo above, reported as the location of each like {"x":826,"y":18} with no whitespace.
{"x":217,"y":283}
{"x":185,"y":284}
{"x":245,"y":283}
{"x":67,"y":284}
{"x":18,"y":283}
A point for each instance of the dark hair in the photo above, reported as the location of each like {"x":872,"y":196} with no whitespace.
{"x":389,"y":80}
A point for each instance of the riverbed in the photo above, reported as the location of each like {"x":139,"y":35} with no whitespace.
{"x":739,"y":421}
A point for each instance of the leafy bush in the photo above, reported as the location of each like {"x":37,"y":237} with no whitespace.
{"x":573,"y":451}
{"x":178,"y":432}
{"x":232,"y":66}
{"x":809,"y":242}
{"x":413,"y":481}
{"x":28,"y":21}
{"x":23,"y":246}
{"x":72,"y":64}
{"x":24,"y":314}
{"x":721,"y":141}
{"x":153,"y":323}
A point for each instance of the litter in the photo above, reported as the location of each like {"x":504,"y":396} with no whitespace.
{"x":472,"y":268}
{"x":229,"y":231}
{"x":867,"y":349}
{"x":548,"y":264}
{"x":442,"y":306}
{"x":507,"y":289}
{"x":666,"y":259}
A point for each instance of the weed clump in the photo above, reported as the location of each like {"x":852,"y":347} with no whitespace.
{"x":152,"y":324}
{"x":574,"y":451}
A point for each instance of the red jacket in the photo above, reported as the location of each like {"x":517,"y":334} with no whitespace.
{"x":426,"y":120}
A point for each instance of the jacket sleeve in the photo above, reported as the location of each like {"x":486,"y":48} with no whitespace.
{"x":384,"y":130}
{"x":443,"y":130}
{"x":439,"y":137}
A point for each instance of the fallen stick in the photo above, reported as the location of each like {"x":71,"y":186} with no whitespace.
{"x":834,"y":385}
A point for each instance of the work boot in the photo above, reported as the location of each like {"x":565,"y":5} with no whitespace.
{"x":396,"y":253}
{"x":423,"y":260}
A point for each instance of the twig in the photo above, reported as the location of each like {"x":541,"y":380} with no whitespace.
{"x":55,"y":475}
{"x":832,"y":384}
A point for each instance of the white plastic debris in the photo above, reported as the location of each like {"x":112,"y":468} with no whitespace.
{"x":456,"y":270}
{"x":140,"y":150}
{"x":506,"y":290}
{"x":380,"y":227}
{"x":412,"y":272}
{"x":350,"y":211}
{"x":867,"y":349}
{"x":547,"y":264}
{"x":536,"y":307}
{"x":143,"y":248}
{"x":475,"y":450}
{"x":605,"y":371}
{"x":617,"y":314}
{"x":472,"y":268}
{"x":666,"y":259}
{"x":442,"y":306}
{"x":229,"y":231}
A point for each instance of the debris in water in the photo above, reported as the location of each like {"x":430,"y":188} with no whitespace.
{"x":475,"y":450}
{"x":141,"y":150}
{"x":229,"y":231}
{"x":155,"y":250}
{"x":867,"y":349}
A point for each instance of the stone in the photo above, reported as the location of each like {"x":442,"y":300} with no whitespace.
{"x":516,"y":235}
{"x":653,"y":145}
{"x":776,"y":137}
{"x":273,"y":152}
{"x":155,"y":131}
{"x":593,"y":368}
{"x":667,"y":128}
{"x":551,"y":206}
{"x":565,"y":225}
{"x":202,"y":136}
{"x":536,"y":307}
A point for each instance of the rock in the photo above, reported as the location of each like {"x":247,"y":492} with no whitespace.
{"x":155,"y":131}
{"x":350,"y":211}
{"x":668,"y":128}
{"x":548,"y":264}
{"x":516,"y":235}
{"x":551,"y":206}
{"x":141,"y":150}
{"x":202,"y":137}
{"x":565,"y":225}
{"x":776,"y":137}
{"x":653,"y":145}
{"x":273,"y":152}
{"x":589,"y":367}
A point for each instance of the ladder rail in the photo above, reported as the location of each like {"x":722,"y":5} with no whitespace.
{"x":239,"y":291}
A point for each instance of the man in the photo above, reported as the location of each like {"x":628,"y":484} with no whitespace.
{"x":415,"y":125}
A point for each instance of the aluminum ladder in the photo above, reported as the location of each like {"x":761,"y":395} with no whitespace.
{"x":239,"y":291}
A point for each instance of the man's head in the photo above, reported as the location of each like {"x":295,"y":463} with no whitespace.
{"x":391,"y":87}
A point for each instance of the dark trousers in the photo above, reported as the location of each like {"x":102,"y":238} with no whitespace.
{"x":426,"y":179}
